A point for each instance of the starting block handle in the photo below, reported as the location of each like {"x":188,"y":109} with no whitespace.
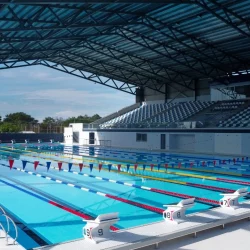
{"x":232,"y":200}
{"x":176,"y":213}
{"x":99,"y":229}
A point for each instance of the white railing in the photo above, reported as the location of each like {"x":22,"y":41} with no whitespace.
{"x":7,"y":231}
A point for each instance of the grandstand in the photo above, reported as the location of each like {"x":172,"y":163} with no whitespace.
{"x":204,"y":114}
{"x":187,"y":64}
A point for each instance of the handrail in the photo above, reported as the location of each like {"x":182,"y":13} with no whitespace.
{"x":8,"y":220}
{"x":2,"y":210}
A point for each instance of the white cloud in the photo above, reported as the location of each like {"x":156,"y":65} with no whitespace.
{"x":42,"y":92}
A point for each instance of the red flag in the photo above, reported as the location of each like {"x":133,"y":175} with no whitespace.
{"x":11,"y":162}
{"x":36,"y":164}
{"x":80,"y":166}
{"x":119,"y":167}
{"x":152,"y":166}
{"x":166,"y":165}
{"x":179,"y":165}
{"x":136,"y":165}
{"x":59,"y":165}
{"x":100,"y":167}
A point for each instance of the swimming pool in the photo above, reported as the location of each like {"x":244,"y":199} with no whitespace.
{"x":49,"y":205}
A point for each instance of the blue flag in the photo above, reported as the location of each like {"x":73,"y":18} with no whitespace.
{"x":48,"y":163}
{"x":70,"y":166}
{"x":144,"y":166}
{"x":91,"y":166}
{"x":24,"y":164}
{"x":109,"y":166}
{"x":128,"y":166}
{"x":159,"y":166}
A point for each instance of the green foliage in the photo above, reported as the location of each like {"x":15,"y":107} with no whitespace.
{"x":19,"y":118}
{"x":9,"y":127}
{"x":16,"y":122}
{"x":81,"y":119}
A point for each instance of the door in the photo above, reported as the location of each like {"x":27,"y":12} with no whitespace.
{"x":163,"y":141}
{"x":91,"y":138}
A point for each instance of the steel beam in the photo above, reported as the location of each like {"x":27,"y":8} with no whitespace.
{"x":93,"y":1}
{"x":10,"y":64}
{"x":229,"y":18}
{"x":109,"y":82}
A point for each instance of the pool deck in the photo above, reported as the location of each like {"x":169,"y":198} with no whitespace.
{"x":160,"y":232}
{"x":3,"y":245}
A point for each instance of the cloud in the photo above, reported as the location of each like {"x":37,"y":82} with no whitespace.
{"x":41,"y":92}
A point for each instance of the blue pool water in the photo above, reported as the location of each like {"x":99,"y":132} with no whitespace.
{"x":25,"y":196}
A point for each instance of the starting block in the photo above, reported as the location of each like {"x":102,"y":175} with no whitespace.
{"x":39,"y":141}
{"x":99,"y":229}
{"x":232,"y":200}
{"x":52,"y":140}
{"x":26,"y":141}
{"x":13,"y":141}
{"x":176,"y":213}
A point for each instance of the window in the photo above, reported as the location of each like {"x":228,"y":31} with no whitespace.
{"x":141,"y":137}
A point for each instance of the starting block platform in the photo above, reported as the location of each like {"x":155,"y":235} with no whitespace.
{"x":155,"y":233}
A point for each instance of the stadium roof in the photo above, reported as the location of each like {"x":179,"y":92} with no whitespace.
{"x":129,"y":43}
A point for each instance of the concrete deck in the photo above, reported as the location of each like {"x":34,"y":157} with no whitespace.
{"x":3,"y":245}
{"x":151,"y":234}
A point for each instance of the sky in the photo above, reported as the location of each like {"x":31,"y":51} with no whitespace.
{"x":41,"y":92}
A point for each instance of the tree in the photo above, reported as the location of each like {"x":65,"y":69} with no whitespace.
{"x":48,"y":120}
{"x":9,"y":127}
{"x":19,"y":118}
{"x":81,"y":119}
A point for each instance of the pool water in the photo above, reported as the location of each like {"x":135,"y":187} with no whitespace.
{"x":27,"y":196}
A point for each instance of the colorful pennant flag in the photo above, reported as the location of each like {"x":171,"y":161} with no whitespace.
{"x":100,"y":167}
{"x":91,"y":166}
{"x":136,"y":165}
{"x":128,"y":166}
{"x":48,"y":163}
{"x":36,"y":164}
{"x":59,"y":165}
{"x":24,"y":164}
{"x":11,"y":162}
{"x":159,"y":166}
{"x":80,"y":166}
{"x":70,"y":164}
{"x":151,"y":166}
{"x":109,"y":166}
{"x":119,"y":167}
